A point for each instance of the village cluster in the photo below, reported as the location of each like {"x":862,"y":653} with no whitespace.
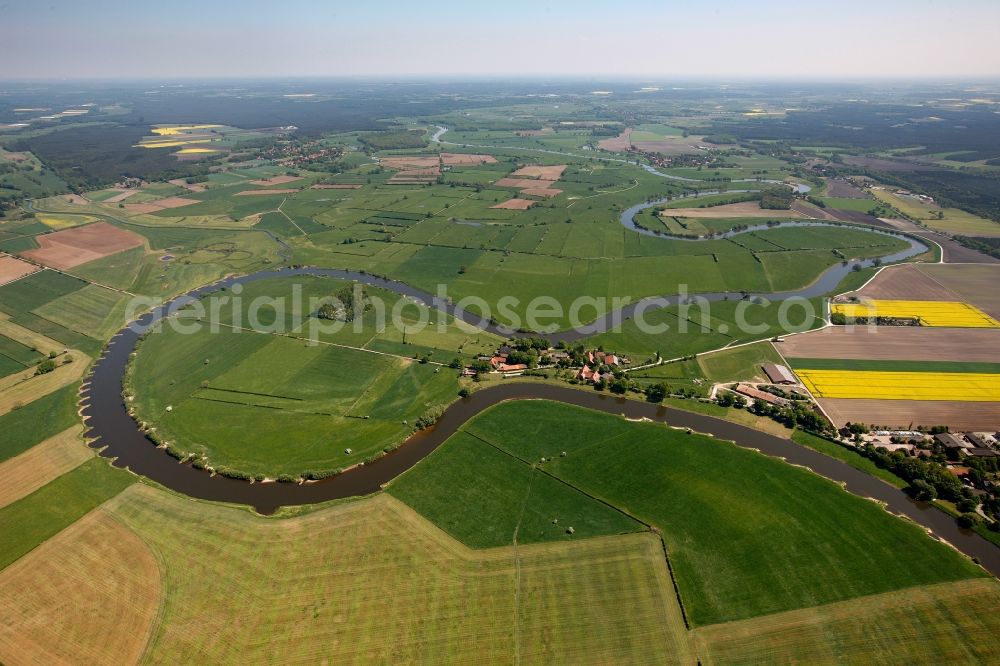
{"x":592,"y":366}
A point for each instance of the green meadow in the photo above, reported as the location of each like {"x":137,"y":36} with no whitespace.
{"x":746,"y":535}
{"x":288,"y":401}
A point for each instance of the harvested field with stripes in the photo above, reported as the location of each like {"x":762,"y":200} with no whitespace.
{"x":895,"y":343}
{"x":904,"y":627}
{"x":88,"y":595}
{"x":250,"y":193}
{"x":24,"y":474}
{"x":975,"y":284}
{"x":410,"y":162}
{"x":515,"y":204}
{"x":464,"y":159}
{"x":520,"y":183}
{"x":275,"y":180}
{"x":12,"y":268}
{"x":906,"y":282}
{"x":959,"y":416}
{"x":160,"y":204}
{"x":24,"y":387}
{"x":552,"y":172}
{"x":365,"y":582}
{"x":79,"y":245}
{"x":929,"y":313}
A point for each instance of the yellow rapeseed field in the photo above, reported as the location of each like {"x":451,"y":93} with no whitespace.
{"x":56,"y":221}
{"x":189,"y":151}
{"x":170,"y":144}
{"x":178,"y":129}
{"x":880,"y":385}
{"x":930,"y":313}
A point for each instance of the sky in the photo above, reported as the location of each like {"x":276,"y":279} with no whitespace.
{"x":637,"y":39}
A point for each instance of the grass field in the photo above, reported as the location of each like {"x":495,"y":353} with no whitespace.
{"x":32,"y":519}
{"x":521,"y":501}
{"x":274,"y":404}
{"x":364,"y":582}
{"x":15,"y":356}
{"x":94,"y":311}
{"x":952,"y":221}
{"x":422,"y":235}
{"x":747,"y":535}
{"x":38,"y":420}
{"x":59,"y":608}
{"x":740,"y":364}
{"x":679,"y":331}
{"x":934,"y":624}
{"x":540,"y":533}
{"x":27,"y":337}
{"x":18,"y":300}
{"x":44,"y":462}
{"x":930,"y":313}
{"x":25,"y":387}
{"x":57,"y":221}
{"x":36,"y":290}
{"x":887,"y":385}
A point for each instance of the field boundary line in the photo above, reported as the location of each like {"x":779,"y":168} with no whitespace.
{"x":649,"y":527}
{"x":958,"y":297}
{"x":43,"y":267}
{"x":673,"y":580}
{"x":562,"y":481}
{"x":330,"y":344}
{"x":161,"y":564}
{"x":287,"y":217}
{"x":517,"y":571}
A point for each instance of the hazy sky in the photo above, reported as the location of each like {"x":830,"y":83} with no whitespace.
{"x":632,"y":38}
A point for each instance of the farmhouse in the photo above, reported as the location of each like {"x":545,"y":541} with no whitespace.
{"x":981,"y":440}
{"x":950,"y":441}
{"x":757,"y":394}
{"x":598,"y":357}
{"x":779,"y":374}
{"x":982,"y":453}
{"x":588,"y":375}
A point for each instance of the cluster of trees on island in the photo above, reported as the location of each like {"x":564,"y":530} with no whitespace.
{"x":346,"y":304}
